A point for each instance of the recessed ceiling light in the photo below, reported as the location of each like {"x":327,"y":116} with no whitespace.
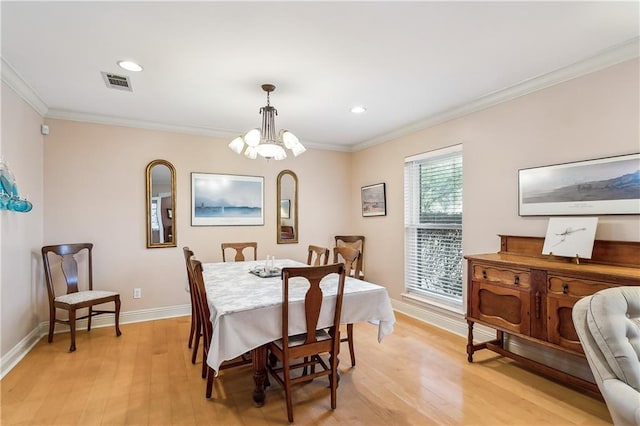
{"x":129,"y":66}
{"x":358,"y":109}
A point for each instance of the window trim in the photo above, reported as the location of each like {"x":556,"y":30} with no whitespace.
{"x":442,"y":302}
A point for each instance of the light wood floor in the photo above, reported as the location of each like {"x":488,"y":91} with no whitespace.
{"x":417,"y":376}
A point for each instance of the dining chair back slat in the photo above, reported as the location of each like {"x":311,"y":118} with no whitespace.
{"x":317,"y":255}
{"x":239,"y":250}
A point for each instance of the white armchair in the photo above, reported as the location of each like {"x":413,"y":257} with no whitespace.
{"x":608,"y":325}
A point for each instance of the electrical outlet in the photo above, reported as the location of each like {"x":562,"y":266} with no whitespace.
{"x":137,"y":293}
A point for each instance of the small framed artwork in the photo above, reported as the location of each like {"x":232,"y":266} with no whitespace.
{"x":226,"y":200}
{"x":374,"y":201}
{"x":169,"y":214}
{"x":285,"y":209}
{"x":570,"y":237}
{"x":594,"y":187}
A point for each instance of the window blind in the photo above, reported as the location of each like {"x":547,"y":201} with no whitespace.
{"x":433,"y":224}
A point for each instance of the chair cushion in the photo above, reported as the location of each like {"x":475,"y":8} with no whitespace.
{"x":84,"y":296}
{"x":299,"y":339}
{"x":613,"y":319}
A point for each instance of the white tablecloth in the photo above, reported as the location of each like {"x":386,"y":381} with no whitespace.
{"x":246,"y":310}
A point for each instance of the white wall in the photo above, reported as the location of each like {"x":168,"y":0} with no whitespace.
{"x":22,"y":291}
{"x":593,"y":116}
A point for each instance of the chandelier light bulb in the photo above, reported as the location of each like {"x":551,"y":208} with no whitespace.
{"x":251,"y":152}
{"x":289,"y":139}
{"x":263,"y":141}
{"x":298,"y":149}
{"x":237,"y":145}
{"x":252,"y":138}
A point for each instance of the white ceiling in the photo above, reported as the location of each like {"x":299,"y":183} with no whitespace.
{"x":204,"y":62}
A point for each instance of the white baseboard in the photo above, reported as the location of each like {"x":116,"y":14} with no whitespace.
{"x":453,"y":322}
{"x":13,"y":357}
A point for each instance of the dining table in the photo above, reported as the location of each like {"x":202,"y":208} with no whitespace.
{"x":245,"y":300}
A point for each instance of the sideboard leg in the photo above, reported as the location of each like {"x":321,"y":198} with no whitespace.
{"x":470,"y":341}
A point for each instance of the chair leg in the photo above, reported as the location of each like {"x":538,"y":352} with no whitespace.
{"x":193,"y":327}
{"x":287,"y":389}
{"x":350,"y":339}
{"x":52,"y":323}
{"x":72,"y":325}
{"x":89,"y":318}
{"x":210,"y":378}
{"x":117,"y":301}
{"x":333,"y":378}
{"x":198,"y":333}
{"x":205,"y":367}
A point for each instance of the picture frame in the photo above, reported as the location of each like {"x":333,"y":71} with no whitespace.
{"x":374,"y":200}
{"x":226,"y":200}
{"x":603,"y":186}
{"x":285,"y":209}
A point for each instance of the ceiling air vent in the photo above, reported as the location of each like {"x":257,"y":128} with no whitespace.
{"x":114,"y":81}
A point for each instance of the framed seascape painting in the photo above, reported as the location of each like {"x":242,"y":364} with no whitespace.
{"x":374,"y":201}
{"x":226,"y":200}
{"x":594,"y":187}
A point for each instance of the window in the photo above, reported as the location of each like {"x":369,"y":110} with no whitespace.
{"x":433,"y":225}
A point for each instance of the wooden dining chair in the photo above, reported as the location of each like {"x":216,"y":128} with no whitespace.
{"x":239,"y":250}
{"x":196,"y":328}
{"x":75,"y":297}
{"x":317,"y":256}
{"x":309,"y":345}
{"x":207,"y":328}
{"x":350,"y":256}
{"x":357,"y":242}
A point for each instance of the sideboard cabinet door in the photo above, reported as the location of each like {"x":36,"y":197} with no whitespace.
{"x":500,"y":297}
{"x":562,"y":293}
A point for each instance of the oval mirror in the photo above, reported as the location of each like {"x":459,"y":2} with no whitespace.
{"x":161,"y":203}
{"x":287,"y":207}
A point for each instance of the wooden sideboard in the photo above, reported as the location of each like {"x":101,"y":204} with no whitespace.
{"x":518,"y":291}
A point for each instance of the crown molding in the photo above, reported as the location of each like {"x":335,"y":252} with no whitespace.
{"x":141,"y":124}
{"x":606,"y":58}
{"x":151,"y":125}
{"x":11,"y":77}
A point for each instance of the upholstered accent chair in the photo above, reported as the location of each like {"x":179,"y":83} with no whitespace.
{"x":608,"y":326}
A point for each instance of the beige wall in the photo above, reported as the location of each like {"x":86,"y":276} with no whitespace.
{"x":22,"y":291}
{"x":94,"y":187}
{"x":95,"y":191}
{"x":589,"y":117}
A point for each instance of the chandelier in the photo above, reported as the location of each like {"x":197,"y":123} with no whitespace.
{"x":263,"y":141}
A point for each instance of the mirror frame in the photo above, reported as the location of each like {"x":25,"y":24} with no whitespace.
{"x":172,"y":170}
{"x":281,"y":240}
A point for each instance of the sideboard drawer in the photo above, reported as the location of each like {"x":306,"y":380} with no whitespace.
{"x":574,"y":287}
{"x":507,"y":276}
